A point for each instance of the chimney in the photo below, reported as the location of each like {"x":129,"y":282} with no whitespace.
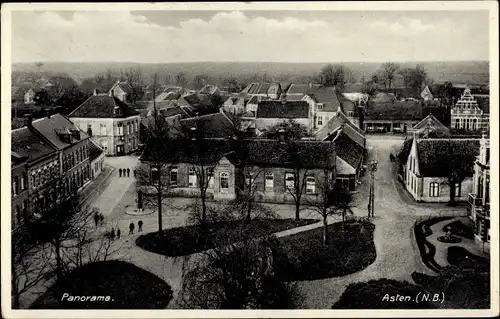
{"x":89,"y":131}
{"x":282,"y":135}
{"x":96,"y":92}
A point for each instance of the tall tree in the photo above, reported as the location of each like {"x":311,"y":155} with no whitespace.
{"x":406,"y":74}
{"x":388,"y":72}
{"x":153,"y":173}
{"x":295,"y":182}
{"x":199,"y":81}
{"x":181,"y":79}
{"x":335,"y":75}
{"x":418,"y":76}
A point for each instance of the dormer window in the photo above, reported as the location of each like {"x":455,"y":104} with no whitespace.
{"x":350,"y":113}
{"x":319,"y":106}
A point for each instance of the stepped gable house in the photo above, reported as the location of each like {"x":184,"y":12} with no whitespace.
{"x":113,"y":124}
{"x":468,"y":114}
{"x":230,"y":164}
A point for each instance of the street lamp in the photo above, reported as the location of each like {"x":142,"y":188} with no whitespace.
{"x":372,"y":167}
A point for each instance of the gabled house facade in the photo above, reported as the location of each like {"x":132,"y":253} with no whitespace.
{"x":122,"y":91}
{"x":468,"y":115}
{"x":428,"y":125}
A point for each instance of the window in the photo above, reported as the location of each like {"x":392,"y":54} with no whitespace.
{"x":129,"y":128}
{"x":103,"y":129}
{"x":320,"y":120}
{"x":474,"y":124}
{"x":192,"y":177}
{"x":310,"y":185}
{"x":458,"y":189}
{"x":24,"y":181}
{"x":457,"y":123}
{"x":224,"y":182}
{"x":319,"y":106}
{"x":466,"y":124}
{"x":173,"y":177}
{"x":487,"y":155}
{"x":155,"y":174}
{"x":15,"y":185}
{"x":350,"y":113}
{"x":289,"y":181}
{"x":135,"y":127}
{"x":411,"y":162}
{"x":269,"y":182}
{"x":434,"y":189}
{"x":120,"y":129}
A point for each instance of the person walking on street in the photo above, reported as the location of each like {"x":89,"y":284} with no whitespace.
{"x":120,"y":171}
{"x":140,"y":225}
{"x":112,"y":235}
{"x":128,"y":172}
{"x":118,"y":233}
{"x":131,"y":229}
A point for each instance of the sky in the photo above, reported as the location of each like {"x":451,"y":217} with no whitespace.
{"x":249,"y":36}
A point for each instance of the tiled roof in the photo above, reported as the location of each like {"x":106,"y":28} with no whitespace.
{"x":254,"y":100}
{"x":338,"y":121}
{"x":256,"y":88}
{"x":173,"y":112}
{"x":102,"y":106}
{"x":211,"y":125}
{"x":407,"y":110}
{"x":168,"y":96}
{"x":326,"y":95}
{"x":94,"y":150}
{"x":49,"y":128}
{"x":294,"y":97}
{"x":124,"y":86}
{"x":384,"y":98}
{"x":348,"y":150}
{"x":430,"y":121}
{"x":277,"y":109}
{"x":198,"y":103}
{"x":405,"y":150}
{"x":300,"y":88}
{"x":208,"y":89}
{"x":439,"y":157}
{"x":28,"y":144}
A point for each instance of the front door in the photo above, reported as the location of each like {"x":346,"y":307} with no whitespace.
{"x":120,"y":150}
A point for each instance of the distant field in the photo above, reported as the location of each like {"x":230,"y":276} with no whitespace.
{"x":476,"y":72}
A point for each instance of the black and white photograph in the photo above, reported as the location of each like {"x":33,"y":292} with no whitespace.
{"x":272,"y":159}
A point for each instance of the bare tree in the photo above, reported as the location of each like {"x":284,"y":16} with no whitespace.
{"x":388,"y":72}
{"x":181,"y":79}
{"x":335,"y":75}
{"x":295,"y":182}
{"x":153,"y":172}
{"x":418,"y":76}
{"x":199,"y":81}
{"x":406,"y":74}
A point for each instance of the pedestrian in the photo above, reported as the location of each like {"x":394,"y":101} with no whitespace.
{"x":135,"y":173}
{"x":140,"y":225}
{"x":112,"y":235}
{"x":128,"y":172}
{"x":131,"y":229}
{"x":120,"y":171}
{"x":118,"y":233}
{"x":96,"y":218}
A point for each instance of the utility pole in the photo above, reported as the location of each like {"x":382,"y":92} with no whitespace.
{"x":372,"y":167}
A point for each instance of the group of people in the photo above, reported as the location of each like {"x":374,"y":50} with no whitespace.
{"x":130,"y":232}
{"x":125,"y":172}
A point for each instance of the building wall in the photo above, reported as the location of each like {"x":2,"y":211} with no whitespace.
{"x":108,"y":138}
{"x":390,"y":123}
{"x":325,"y":116}
{"x":470,"y":120}
{"x":96,"y":165}
{"x":19,"y":202}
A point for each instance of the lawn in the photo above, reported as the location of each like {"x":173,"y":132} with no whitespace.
{"x":460,"y":229}
{"x":458,"y":256}
{"x":347,"y":252}
{"x":426,"y":249}
{"x":182,"y":241}
{"x":375,"y":294}
{"x":125,"y":285}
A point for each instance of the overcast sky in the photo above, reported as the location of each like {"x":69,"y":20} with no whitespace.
{"x":261,"y":36}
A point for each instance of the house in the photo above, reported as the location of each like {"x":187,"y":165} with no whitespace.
{"x":479,"y":198}
{"x":426,"y":94}
{"x":272,"y":112}
{"x":383,"y":97}
{"x":401,"y":93}
{"x":429,"y":124}
{"x":269,"y":163}
{"x":71,"y":143}
{"x":296,"y":88}
{"x":398,"y":116}
{"x":423,"y":175}
{"x":199,"y":104}
{"x":29,"y":97}
{"x":350,"y":146}
{"x":253,"y":104}
{"x":19,"y":182}
{"x":210,"y":89}
{"x":96,"y":158}
{"x":216,"y":125}
{"x":113,"y":124}
{"x":122,"y":91}
{"x":235,"y":103}
{"x":468,"y":115}
{"x":324,"y":104}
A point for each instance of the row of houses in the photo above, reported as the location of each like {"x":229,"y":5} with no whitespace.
{"x":44,"y":150}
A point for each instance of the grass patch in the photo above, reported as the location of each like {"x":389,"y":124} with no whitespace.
{"x":128,"y":287}
{"x":376,"y":294}
{"x":182,"y":241}
{"x":459,"y":256}
{"x":460,"y":229}
{"x":346,"y":253}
